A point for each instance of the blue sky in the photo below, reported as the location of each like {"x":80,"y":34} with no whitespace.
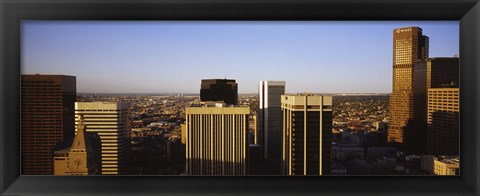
{"x":173,"y":56}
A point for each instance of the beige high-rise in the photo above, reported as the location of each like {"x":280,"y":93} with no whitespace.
{"x":111,"y":121}
{"x":216,"y":139}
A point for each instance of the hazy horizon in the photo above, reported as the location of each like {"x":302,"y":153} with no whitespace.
{"x":246,"y":93}
{"x":173,"y":56}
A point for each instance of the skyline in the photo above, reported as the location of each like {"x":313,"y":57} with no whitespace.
{"x":173,"y":57}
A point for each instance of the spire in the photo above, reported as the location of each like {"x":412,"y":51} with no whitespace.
{"x":79,"y":140}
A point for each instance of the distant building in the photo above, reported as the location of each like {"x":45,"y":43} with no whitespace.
{"x":111,"y":121}
{"x":256,"y":132}
{"x":409,"y":46}
{"x":219,"y":90}
{"x":307,"y":135}
{"x":47,"y":117}
{"x":343,"y":152}
{"x":216,"y":139}
{"x":338,"y":169}
{"x":446,"y":166}
{"x":374,"y":153}
{"x":443,"y":121}
{"x":184,"y":133}
{"x":378,"y":125}
{"x":270,"y":122}
{"x":372,"y":167}
{"x":82,"y":157}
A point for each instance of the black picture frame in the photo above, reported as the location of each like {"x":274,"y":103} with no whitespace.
{"x":12,"y":12}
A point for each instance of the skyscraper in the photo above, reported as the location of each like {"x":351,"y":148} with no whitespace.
{"x":409,"y":46}
{"x":270,"y":122}
{"x":216,"y":139}
{"x":47,"y":117}
{"x":111,"y":121}
{"x":431,"y":73}
{"x":443,"y":121}
{"x":219,"y":90}
{"x":307,"y":135}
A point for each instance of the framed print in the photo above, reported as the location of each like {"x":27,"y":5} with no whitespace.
{"x":239,"y":97}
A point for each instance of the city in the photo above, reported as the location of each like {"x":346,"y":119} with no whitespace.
{"x":411,"y":131}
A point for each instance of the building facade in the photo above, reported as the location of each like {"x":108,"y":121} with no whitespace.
{"x":270,"y":122}
{"x":47,"y":117}
{"x":111,"y":120}
{"x":216,"y":140}
{"x":409,"y":46}
{"x":443,"y":121}
{"x":446,"y":166}
{"x":219,"y":90}
{"x":431,"y":73}
{"x":307,"y":135}
{"x":82,"y":157}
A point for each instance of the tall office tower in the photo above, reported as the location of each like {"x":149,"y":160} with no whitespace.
{"x":270,"y":122}
{"x":443,"y":121}
{"x":431,"y":73}
{"x":111,"y":120}
{"x":219,"y":90}
{"x":217,"y":139}
{"x":409,"y":46}
{"x":47,"y":116}
{"x":307,"y":135}
{"x":81,"y":157}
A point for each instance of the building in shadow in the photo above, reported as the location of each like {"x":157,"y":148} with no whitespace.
{"x":443,"y":121}
{"x":270,"y":124}
{"x":219,"y":90}
{"x":47,"y":117}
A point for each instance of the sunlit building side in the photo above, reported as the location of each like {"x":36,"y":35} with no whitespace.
{"x":216,"y":139}
{"x":111,"y":120}
{"x":81,"y":157}
{"x":409,"y":46}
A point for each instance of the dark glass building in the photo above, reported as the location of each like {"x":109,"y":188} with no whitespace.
{"x":270,"y":121}
{"x":307,"y":135}
{"x":219,"y":90}
{"x":47,"y":117}
{"x":433,"y":73}
{"x":428,"y":74}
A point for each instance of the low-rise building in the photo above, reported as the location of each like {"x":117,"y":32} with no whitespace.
{"x":449,"y":166}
